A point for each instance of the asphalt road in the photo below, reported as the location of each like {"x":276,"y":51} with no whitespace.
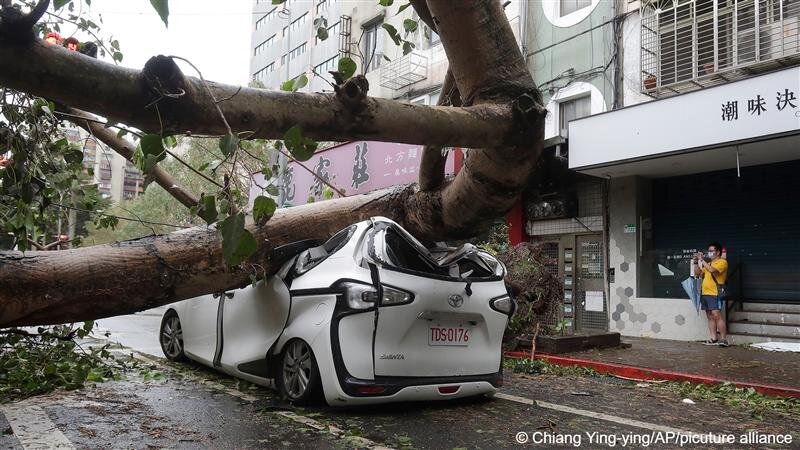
{"x":193,"y":407}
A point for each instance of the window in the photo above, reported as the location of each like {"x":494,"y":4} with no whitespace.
{"x":327,"y":66}
{"x":266,"y":18}
{"x":263,"y":46}
{"x":572,"y":109}
{"x":373,"y":46}
{"x":297,"y":51}
{"x":324,"y":5}
{"x":297,"y":23}
{"x":570,"y":6}
{"x":262,"y":74}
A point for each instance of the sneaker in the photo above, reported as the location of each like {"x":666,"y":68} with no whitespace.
{"x":710,"y":342}
{"x":723,"y":343}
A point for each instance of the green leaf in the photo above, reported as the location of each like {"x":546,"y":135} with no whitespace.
{"x":403,"y":8}
{"x":121,"y":133}
{"x":300,"y":82}
{"x":385,"y":2}
{"x":322,"y":33}
{"x":287,"y":85}
{"x":263,"y":208}
{"x":267,"y":172}
{"x":73,"y":157}
{"x":301,"y":148}
{"x":278,"y":2}
{"x":272,"y":189}
{"x":228,"y":144}
{"x":393,"y":33}
{"x":237,"y":243}
{"x":58,"y":4}
{"x":162,"y":8}
{"x":410,"y":25}
{"x":207,"y":208}
{"x":408,"y":47}
{"x":347,"y":67}
{"x":152,"y":144}
{"x":117,"y":56}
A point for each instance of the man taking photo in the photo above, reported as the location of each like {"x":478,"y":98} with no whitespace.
{"x":714,"y":273}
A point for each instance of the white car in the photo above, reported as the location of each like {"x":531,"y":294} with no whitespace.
{"x":370,"y":316}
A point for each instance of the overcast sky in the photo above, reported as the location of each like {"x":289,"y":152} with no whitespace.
{"x":213,"y":34}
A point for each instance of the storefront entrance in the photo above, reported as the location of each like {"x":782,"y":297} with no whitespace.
{"x":756,"y":217}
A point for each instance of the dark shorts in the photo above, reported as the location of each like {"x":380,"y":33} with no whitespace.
{"x":710,"y":302}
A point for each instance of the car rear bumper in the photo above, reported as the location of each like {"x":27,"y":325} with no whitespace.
{"x":388,"y":386}
{"x":419,"y":390}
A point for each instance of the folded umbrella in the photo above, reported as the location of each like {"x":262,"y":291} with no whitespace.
{"x":692,"y":287}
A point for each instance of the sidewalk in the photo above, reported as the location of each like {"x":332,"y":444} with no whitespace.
{"x":766,"y":371}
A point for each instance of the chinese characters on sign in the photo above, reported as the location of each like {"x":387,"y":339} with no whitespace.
{"x":758,"y":105}
{"x":355,"y":168}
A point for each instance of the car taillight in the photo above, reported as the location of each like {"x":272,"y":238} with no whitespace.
{"x":371,"y":390}
{"x":448,"y":389}
{"x":363,"y":296}
{"x":502,"y":304}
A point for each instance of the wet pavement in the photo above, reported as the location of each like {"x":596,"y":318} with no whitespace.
{"x":195,"y":407}
{"x":735,"y":363}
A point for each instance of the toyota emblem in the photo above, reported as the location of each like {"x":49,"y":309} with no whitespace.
{"x":455,"y":300}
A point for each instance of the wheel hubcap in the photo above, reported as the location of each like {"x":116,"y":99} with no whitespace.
{"x":172,"y":337}
{"x":296,"y":369}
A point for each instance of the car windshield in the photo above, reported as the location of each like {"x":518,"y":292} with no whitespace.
{"x":393,"y":247}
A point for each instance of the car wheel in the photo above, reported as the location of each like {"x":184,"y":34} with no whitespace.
{"x":299,"y":380}
{"x":171,"y":337}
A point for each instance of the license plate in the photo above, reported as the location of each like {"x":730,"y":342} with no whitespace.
{"x":448,"y":335}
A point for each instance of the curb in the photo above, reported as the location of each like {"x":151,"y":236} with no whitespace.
{"x":643,"y":373}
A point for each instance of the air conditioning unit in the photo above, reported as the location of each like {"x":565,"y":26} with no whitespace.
{"x":776,"y":40}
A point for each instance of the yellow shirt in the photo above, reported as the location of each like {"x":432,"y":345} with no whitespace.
{"x":709,"y":287}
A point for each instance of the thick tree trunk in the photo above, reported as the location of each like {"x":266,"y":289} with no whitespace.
{"x":502,"y":122}
{"x":137,"y":98}
{"x":45,"y":287}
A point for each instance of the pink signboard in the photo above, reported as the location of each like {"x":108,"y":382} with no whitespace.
{"x":355,"y":167}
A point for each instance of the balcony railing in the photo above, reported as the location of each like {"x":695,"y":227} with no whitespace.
{"x":404,"y":71}
{"x":692,"y":44}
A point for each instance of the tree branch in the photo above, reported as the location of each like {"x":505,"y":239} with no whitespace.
{"x":123,"y":94}
{"x":163,"y":269}
{"x":432,"y":164}
{"x":126,"y":149}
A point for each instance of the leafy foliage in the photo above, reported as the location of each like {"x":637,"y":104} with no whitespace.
{"x":42,"y":178}
{"x":536,"y":290}
{"x":35,"y":363}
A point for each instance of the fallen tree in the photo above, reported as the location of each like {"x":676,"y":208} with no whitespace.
{"x":500,"y":118}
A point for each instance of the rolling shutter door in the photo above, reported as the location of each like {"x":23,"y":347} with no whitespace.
{"x":756,"y":217}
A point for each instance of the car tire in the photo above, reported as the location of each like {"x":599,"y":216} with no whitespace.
{"x":170,"y":336}
{"x":298,"y":376}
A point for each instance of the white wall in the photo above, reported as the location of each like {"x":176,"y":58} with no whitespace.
{"x":662,"y":318}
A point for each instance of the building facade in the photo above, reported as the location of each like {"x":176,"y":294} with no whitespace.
{"x":116,"y":177}
{"x":683,"y":116}
{"x":285,"y":45}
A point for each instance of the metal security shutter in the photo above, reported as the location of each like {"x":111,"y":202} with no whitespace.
{"x":756,"y":217}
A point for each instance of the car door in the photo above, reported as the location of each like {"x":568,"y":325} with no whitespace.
{"x":199,"y":323}
{"x":252,"y":320}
